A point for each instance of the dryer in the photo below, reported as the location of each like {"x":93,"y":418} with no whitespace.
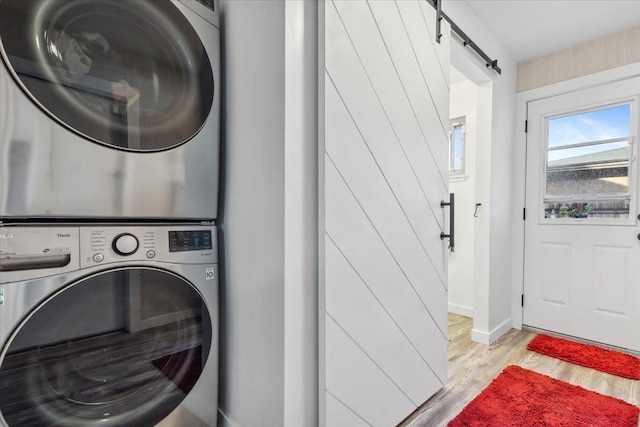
{"x":108,"y":325}
{"x":109,"y":109}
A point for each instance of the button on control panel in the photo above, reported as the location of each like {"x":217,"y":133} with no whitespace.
{"x":98,"y":257}
{"x":125,"y":244}
{"x":151,"y":254}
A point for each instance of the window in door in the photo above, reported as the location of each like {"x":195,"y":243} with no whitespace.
{"x":588,"y":163}
{"x":456,"y":147}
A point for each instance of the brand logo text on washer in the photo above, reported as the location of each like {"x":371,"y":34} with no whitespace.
{"x":6,"y":236}
{"x":64,"y":235}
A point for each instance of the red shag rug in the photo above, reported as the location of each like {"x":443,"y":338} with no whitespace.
{"x":522,"y":398}
{"x":591,"y":356}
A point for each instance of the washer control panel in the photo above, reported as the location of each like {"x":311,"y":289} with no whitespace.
{"x":31,"y":252}
{"x":184,"y":244}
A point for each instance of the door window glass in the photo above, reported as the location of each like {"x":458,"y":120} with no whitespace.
{"x":120,"y":348}
{"x":587,"y":164}
{"x":131,"y":74}
{"x":594,"y":125}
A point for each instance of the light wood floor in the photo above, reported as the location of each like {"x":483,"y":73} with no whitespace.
{"x":472,"y":366}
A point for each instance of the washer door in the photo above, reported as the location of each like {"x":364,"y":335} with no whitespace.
{"x":130,"y":74}
{"x":120,"y":348}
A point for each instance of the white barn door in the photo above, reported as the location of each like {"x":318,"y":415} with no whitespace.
{"x":385,"y":172}
{"x":582,"y":253}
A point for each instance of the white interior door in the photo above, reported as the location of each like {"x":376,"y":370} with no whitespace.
{"x":582,"y":250}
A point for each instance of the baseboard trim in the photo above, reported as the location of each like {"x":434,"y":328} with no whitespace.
{"x":461,"y":310}
{"x":490,"y":337}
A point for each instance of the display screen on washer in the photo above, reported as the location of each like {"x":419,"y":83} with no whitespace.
{"x":121,"y":348}
{"x":130,"y":74}
{"x":198,"y":240}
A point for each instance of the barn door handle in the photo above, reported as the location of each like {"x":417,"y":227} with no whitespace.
{"x":452,"y":211}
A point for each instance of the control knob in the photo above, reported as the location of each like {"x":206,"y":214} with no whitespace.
{"x":125,"y":244}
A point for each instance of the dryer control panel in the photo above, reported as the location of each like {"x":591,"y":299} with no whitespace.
{"x":185,"y":244}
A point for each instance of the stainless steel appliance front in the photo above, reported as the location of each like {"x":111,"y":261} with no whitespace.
{"x":109,"y":109}
{"x":108,"y":326}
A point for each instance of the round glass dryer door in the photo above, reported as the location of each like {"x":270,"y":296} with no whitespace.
{"x":120,"y":348}
{"x":132,"y":74}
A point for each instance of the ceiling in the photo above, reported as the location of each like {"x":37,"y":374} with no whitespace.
{"x":531,"y":28}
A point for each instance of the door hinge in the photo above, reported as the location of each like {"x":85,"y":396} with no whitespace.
{"x":526,"y":126}
{"x":522,"y":300}
{"x":524,"y":214}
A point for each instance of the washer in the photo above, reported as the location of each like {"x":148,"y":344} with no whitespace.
{"x":110,"y":109}
{"x":108,"y":326}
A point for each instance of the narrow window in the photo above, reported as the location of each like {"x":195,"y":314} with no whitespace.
{"x":588,"y":163}
{"x":456,"y":146}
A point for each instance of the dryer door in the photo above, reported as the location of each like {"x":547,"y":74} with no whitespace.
{"x":120,"y":348}
{"x":130,"y":74}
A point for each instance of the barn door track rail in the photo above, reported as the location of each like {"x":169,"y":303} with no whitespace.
{"x":466,"y":40}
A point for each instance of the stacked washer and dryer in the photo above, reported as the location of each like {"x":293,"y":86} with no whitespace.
{"x":109,"y":170}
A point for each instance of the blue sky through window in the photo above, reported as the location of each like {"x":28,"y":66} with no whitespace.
{"x":608,"y":123}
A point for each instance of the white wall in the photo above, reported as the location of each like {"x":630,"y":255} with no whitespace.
{"x":464,"y":103}
{"x":385,"y":172}
{"x":269,"y":216}
{"x":252,"y":302}
{"x":492,"y":297}
{"x":301,"y":214}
